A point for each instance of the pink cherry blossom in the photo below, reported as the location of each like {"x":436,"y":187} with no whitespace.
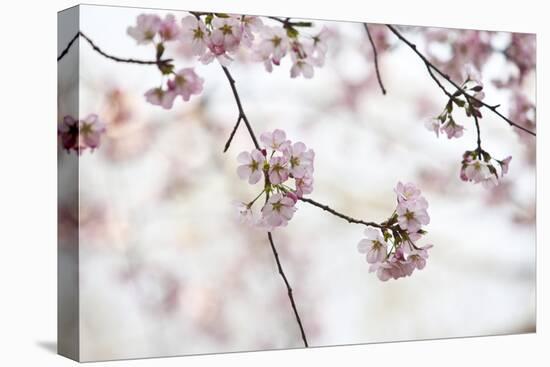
{"x":90,"y":131}
{"x":278,"y":210}
{"x":300,"y":159}
{"x":505,"y":164}
{"x":452,"y":129}
{"x":194,"y":31}
{"x":251,"y":167}
{"x":373,"y":245}
{"x":275,"y":140}
{"x":278,"y":170}
{"x":318,"y":46}
{"x":412,"y":214}
{"x":186,"y":83}
{"x":406,"y":192}
{"x":169,"y":29}
{"x":245,"y":215}
{"x":272,"y":47}
{"x":147,"y":27}
{"x":301,"y":66}
{"x":160,"y":97}
{"x":224,"y":38}
{"x":479,"y":171}
{"x":418,"y":256}
{"x":433,"y":125}
{"x":249,"y":25}
{"x":68,"y":131}
{"x":304,"y":185}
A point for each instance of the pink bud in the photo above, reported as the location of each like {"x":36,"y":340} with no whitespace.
{"x":292,"y":195}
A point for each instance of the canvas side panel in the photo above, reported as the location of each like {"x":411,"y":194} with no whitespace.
{"x":68,"y":342}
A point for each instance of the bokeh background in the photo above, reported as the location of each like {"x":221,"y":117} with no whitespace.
{"x":165,"y":269}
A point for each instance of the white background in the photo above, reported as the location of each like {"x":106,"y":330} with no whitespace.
{"x":28,"y":188}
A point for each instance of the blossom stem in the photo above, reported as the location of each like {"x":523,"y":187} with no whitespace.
{"x":288,"y":288}
{"x":375,"y":53}
{"x":340,"y":215}
{"x":431,"y":67}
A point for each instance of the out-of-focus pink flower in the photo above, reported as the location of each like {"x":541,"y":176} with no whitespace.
{"x":433,"y":125}
{"x":505,"y":164}
{"x":160,"y":97}
{"x":318,"y":46}
{"x":251,"y":167}
{"x":278,"y":170}
{"x":275,"y":140}
{"x":68,"y":131}
{"x":301,"y":66}
{"x":452,"y":129}
{"x":244,"y":213}
{"x":522,"y":52}
{"x":194,"y":32}
{"x":186,"y":83}
{"x":278,"y":210}
{"x":169,"y":29}
{"x":146,"y":28}
{"x":373,"y":245}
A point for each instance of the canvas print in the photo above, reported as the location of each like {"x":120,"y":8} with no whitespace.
{"x":234,"y":182}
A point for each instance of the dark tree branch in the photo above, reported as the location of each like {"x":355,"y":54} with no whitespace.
{"x":159,"y":62}
{"x":68,"y":47}
{"x":375,"y":58}
{"x":242,"y":115}
{"x":340,"y":215}
{"x":288,"y":288}
{"x":288,"y":23}
{"x":468,"y":96}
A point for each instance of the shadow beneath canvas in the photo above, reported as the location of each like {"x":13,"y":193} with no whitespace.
{"x":50,"y":346}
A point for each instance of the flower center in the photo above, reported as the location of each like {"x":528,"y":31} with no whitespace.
{"x":226,"y":29}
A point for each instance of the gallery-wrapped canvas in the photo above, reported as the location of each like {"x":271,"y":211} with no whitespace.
{"x":233,"y":182}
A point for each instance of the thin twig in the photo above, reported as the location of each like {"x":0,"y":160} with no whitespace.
{"x":375,"y":58}
{"x":242,"y":115}
{"x":288,"y":288}
{"x":340,"y":215}
{"x":228,"y":142}
{"x":109,"y":56}
{"x":431,"y":66}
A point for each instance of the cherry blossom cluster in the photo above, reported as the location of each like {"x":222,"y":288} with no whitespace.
{"x":152,"y":29}
{"x":79,"y":135}
{"x":391,"y":249}
{"x":215,"y":36}
{"x":478,"y":166}
{"x":445,"y":123}
{"x":278,"y":163}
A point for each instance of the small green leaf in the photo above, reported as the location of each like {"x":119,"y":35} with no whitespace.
{"x":292,"y":32}
{"x":160,"y":50}
{"x":208,"y":19}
